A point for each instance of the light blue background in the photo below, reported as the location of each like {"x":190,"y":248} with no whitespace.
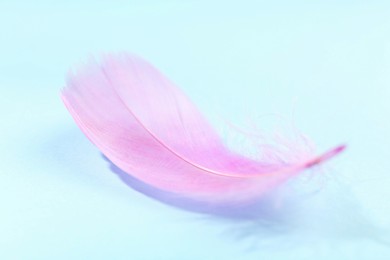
{"x":329,"y":60}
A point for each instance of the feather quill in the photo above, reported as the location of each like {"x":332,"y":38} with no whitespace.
{"x":149,"y":128}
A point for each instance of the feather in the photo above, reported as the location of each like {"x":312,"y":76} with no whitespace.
{"x":150,"y":129}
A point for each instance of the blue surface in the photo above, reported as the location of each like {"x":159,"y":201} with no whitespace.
{"x":327,"y":60}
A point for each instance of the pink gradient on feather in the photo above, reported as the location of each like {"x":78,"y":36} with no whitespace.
{"x":146,"y":126}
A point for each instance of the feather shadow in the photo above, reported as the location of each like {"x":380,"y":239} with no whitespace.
{"x":305,"y":216}
{"x":265,"y":211}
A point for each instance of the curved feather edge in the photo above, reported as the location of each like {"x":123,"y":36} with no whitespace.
{"x":146,"y":126}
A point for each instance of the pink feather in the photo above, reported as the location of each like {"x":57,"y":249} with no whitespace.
{"x":146,"y":126}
